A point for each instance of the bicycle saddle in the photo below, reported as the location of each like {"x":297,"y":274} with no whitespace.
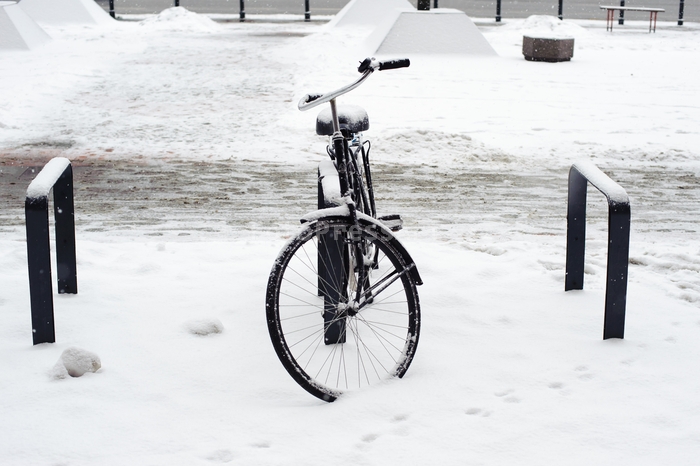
{"x":352,"y":118}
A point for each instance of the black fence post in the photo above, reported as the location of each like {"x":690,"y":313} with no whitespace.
{"x":498,"y":11}
{"x":242,"y":10}
{"x":423,"y":5}
{"x":561,"y":9}
{"x":332,"y":256}
{"x":39,"y":263}
{"x":618,"y":242}
{"x":56,"y":175}
{"x":621,"y":19}
{"x":680,"y":13}
{"x":307,"y":11}
{"x":435,"y":4}
{"x":177,"y":3}
{"x":64,"y":214}
{"x":111,"y":9}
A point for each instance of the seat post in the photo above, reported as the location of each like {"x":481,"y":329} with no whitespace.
{"x":334,"y":117}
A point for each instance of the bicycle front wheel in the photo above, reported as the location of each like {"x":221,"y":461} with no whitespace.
{"x":328,"y":340}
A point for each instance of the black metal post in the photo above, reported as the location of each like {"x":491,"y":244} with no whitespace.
{"x":64,"y":214}
{"x":423,"y":5}
{"x":576,"y":231}
{"x":622,"y":13}
{"x":680,"y":13}
{"x":177,"y":3}
{"x":111,"y":9}
{"x":498,"y":11}
{"x":618,"y":245}
{"x":561,"y":9}
{"x":307,"y":11}
{"x":435,"y":4}
{"x":618,"y":264}
{"x":332,"y":255}
{"x":39,"y":261}
{"x":242,"y":10}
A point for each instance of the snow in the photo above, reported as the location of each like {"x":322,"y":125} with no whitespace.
{"x":613,"y":191}
{"x":179,"y":19}
{"x":17,"y":30}
{"x":47,"y":177}
{"x":65,"y":12}
{"x":438,"y":31}
{"x":366,"y":13}
{"x":204,"y":327}
{"x":75,"y":362}
{"x":472,"y":152}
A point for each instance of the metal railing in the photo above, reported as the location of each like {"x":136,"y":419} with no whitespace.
{"x":57,"y":175}
{"x":618,"y":241}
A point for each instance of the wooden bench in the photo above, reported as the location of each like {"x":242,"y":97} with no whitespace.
{"x":611,"y":15}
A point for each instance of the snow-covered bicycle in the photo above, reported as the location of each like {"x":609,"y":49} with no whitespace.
{"x":342,"y":305}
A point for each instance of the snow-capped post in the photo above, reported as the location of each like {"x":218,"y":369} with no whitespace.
{"x":621,"y":19}
{"x":56,"y":175}
{"x":618,"y":241}
{"x":111,"y":9}
{"x":498,"y":11}
{"x":423,"y":4}
{"x":307,"y":11}
{"x":680,"y":13}
{"x":242,"y":10}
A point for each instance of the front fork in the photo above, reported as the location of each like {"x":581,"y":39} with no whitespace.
{"x":357,"y":279}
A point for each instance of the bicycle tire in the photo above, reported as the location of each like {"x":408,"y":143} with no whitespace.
{"x":330,"y":357}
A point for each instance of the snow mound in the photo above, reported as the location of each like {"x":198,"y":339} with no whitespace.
{"x":438,"y":31}
{"x":204,"y":327}
{"x":75,"y":362}
{"x":62,"y":12}
{"x":549,"y":26}
{"x":180,"y":19}
{"x":421,"y":147}
{"x":18,"y":30}
{"x":366,"y":12}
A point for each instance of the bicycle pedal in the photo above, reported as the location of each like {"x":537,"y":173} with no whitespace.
{"x":392,"y":222}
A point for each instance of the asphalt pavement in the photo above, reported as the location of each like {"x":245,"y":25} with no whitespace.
{"x":572,"y":9}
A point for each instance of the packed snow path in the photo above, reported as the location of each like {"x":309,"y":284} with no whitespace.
{"x":220,"y":199}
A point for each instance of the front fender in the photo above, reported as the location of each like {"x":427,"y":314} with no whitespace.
{"x":342,"y":212}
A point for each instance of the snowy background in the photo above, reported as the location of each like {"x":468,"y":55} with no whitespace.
{"x":193,"y":166}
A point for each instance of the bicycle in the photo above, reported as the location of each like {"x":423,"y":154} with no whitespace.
{"x":342,"y":305}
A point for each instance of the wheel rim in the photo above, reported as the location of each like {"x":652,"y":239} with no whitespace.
{"x":373,"y":344}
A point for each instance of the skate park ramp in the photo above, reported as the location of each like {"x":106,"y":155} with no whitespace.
{"x":17,"y":30}
{"x":434,"y":32}
{"x":366,"y":13}
{"x":62,"y":12}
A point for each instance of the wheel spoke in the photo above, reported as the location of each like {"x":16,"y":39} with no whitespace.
{"x":329,"y":348}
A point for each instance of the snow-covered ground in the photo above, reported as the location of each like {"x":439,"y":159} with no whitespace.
{"x":193,"y":166}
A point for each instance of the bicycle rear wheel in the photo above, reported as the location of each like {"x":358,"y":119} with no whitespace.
{"x":327,"y":341}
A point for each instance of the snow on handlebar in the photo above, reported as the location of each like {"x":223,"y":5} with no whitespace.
{"x":367,"y":67}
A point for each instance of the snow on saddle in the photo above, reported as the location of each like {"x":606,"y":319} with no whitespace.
{"x":352,"y":118}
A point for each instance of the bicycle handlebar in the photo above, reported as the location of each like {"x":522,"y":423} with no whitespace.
{"x":367,"y":67}
{"x":393,"y":64}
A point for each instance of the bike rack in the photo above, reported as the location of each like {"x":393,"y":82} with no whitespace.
{"x":330,"y":257}
{"x":57,"y":174}
{"x":580,"y":175}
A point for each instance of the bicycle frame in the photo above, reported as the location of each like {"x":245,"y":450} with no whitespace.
{"x":344,"y":159}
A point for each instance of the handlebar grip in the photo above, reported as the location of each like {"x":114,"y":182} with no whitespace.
{"x":393,"y":64}
{"x":308,"y":98}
